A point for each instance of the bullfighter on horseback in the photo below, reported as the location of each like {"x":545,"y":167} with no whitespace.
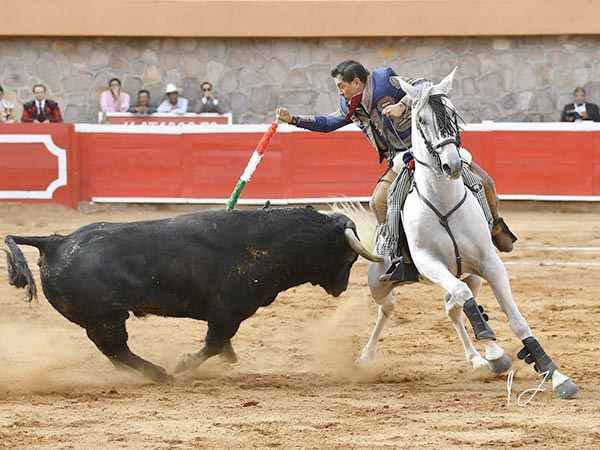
{"x":376,"y":103}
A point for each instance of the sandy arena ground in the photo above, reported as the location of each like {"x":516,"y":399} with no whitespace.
{"x":294,"y":386}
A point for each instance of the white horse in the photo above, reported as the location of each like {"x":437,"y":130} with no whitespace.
{"x":450,"y":243}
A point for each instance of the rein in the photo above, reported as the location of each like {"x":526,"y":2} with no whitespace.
{"x":444,"y":222}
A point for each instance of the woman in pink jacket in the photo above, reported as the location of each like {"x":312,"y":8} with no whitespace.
{"x":113,"y":100}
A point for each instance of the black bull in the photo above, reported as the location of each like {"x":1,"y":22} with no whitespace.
{"x":212,"y":265}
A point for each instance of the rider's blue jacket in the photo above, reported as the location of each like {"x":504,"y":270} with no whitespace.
{"x":381,"y":89}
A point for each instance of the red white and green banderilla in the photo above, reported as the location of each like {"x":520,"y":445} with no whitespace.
{"x":251,"y":166}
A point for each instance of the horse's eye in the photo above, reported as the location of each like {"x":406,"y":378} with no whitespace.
{"x":421,"y":121}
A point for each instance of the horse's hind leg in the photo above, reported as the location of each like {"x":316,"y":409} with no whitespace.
{"x":110,"y":336}
{"x":384,"y":295}
{"x":532,"y":352}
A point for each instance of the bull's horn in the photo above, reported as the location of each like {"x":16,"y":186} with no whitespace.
{"x":359,"y":248}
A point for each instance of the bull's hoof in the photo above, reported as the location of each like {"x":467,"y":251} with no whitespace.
{"x":566,"y":389}
{"x":159,"y":375}
{"x":188,"y":361}
{"x":230,"y":358}
{"x":501,"y":364}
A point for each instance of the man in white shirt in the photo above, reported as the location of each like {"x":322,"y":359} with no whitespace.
{"x":174,"y":104}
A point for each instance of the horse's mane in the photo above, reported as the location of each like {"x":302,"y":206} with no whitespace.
{"x":446,"y":118}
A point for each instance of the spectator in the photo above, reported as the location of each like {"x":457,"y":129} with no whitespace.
{"x":113,"y":100}
{"x":208,"y":103}
{"x":174,"y":104}
{"x":580,"y":110}
{"x":143,"y":104}
{"x":7,"y":109}
{"x":41,"y":109}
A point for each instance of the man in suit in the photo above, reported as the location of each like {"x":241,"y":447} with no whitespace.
{"x":41,"y":109}
{"x":580,"y":110}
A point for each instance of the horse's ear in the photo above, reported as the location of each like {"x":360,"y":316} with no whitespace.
{"x":446,"y":84}
{"x":409,"y":89}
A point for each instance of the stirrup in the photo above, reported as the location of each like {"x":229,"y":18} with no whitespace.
{"x":400,"y":272}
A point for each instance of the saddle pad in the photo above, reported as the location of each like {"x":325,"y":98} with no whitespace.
{"x":390,"y":235}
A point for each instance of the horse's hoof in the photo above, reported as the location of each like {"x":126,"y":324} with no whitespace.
{"x":365,"y":358}
{"x":500,"y":365}
{"x":480,"y":365}
{"x":566,"y":389}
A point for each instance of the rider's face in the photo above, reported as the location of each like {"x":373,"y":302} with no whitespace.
{"x":348,"y":89}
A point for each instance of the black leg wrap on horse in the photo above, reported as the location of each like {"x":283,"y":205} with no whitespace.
{"x":478,"y":320}
{"x":534,"y":353}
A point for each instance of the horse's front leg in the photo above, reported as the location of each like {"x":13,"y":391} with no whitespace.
{"x":495,"y":273}
{"x":496,"y":359}
{"x":384,"y":295}
{"x":461,"y":297}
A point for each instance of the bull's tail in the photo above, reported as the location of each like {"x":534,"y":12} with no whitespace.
{"x":19,"y":274}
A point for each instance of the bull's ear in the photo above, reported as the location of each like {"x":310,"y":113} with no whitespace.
{"x":310,"y":207}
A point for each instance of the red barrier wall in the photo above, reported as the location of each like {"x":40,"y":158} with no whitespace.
{"x":196,"y":163}
{"x":39,"y":163}
{"x":539,"y":162}
{"x":207,"y":165}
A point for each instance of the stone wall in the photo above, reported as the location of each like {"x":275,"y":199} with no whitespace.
{"x":500,"y":79}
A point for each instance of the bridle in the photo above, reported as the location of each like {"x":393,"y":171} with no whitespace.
{"x":437,"y":166}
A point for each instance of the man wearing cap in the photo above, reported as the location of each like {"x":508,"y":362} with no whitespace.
{"x":174,"y":104}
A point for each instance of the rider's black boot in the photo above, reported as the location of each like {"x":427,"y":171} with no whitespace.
{"x":400,"y":272}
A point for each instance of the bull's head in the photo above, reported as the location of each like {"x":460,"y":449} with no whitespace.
{"x":336,"y":281}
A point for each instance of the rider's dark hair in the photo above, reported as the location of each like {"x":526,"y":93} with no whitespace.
{"x":579,"y":89}
{"x":349,"y":70}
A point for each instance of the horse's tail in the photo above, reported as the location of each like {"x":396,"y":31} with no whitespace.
{"x":19,"y":274}
{"x":366,"y":224}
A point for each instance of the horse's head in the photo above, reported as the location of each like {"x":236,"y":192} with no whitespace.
{"x":436,"y":134}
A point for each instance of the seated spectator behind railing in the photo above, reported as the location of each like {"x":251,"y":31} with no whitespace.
{"x":580,"y":110}
{"x":174,"y":104}
{"x":7,"y":109}
{"x":41,"y":109}
{"x":208,"y":102}
{"x":143,"y":105}
{"x":113,"y":99}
